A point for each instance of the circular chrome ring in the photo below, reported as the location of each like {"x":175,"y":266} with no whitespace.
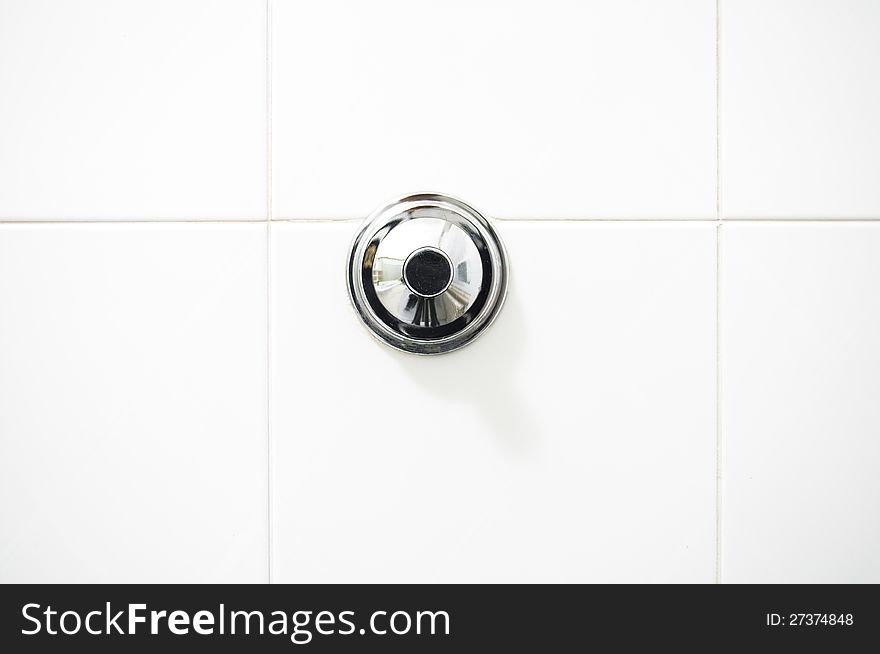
{"x":427,"y":273}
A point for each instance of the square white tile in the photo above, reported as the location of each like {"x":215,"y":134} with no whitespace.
{"x":801,"y":96}
{"x":801,"y":417}
{"x":133,"y":440}
{"x":574,"y":441}
{"x":557,"y":109}
{"x":146,"y":109}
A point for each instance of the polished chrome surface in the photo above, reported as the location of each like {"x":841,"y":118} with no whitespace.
{"x":427,"y":273}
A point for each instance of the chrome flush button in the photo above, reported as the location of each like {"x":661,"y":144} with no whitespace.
{"x":427,"y":273}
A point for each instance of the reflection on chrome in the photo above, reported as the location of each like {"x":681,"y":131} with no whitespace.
{"x":427,"y":273}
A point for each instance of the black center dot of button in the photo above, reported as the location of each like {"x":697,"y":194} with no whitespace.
{"x":427,"y":272}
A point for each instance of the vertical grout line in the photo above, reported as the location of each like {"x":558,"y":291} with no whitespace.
{"x":718,"y":233}
{"x":719,"y":214}
{"x":269,"y":445}
{"x":269,"y":190}
{"x":269,"y":453}
{"x":718,"y":444}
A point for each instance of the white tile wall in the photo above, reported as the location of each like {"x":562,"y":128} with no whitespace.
{"x":555,"y":448}
{"x":156,"y":408}
{"x":144,"y":109}
{"x":801,"y":375}
{"x":132,"y":403}
{"x":550,"y":109}
{"x":801,"y":96}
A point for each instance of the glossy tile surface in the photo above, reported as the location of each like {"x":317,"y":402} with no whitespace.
{"x":558,"y":109}
{"x":133,"y":403}
{"x":800,"y":100}
{"x":573,"y":441}
{"x":801,"y":421}
{"x":145,"y":109}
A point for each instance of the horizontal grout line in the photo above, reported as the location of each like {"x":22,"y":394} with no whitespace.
{"x":713,"y":219}
{"x":734,"y":219}
{"x":604,"y":220}
{"x":131,"y":221}
{"x":318,"y":220}
{"x":252,"y":221}
{"x":263,"y":221}
{"x":521,"y":220}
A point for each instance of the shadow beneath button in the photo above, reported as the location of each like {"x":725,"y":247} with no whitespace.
{"x":484,"y":374}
